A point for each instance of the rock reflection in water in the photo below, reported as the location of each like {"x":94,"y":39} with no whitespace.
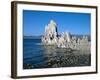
{"x":62,"y":57}
{"x":53,"y":57}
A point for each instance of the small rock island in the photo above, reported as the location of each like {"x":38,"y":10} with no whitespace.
{"x":64,"y":39}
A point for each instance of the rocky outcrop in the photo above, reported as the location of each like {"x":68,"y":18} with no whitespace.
{"x":50,"y":36}
{"x":65,"y":40}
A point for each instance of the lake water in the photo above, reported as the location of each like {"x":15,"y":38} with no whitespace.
{"x":37,"y":56}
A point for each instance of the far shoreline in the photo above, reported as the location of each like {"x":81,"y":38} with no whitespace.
{"x":40,"y":36}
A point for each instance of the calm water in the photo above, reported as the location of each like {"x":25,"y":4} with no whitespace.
{"x":39,"y":56}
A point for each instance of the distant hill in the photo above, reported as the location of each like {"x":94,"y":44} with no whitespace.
{"x":32,"y":37}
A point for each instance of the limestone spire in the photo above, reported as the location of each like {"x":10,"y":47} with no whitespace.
{"x":52,"y":22}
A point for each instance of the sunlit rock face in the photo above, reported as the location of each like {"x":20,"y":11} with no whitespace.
{"x":50,"y":36}
{"x":65,"y":40}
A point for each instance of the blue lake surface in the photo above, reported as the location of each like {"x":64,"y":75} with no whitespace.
{"x":37,"y":56}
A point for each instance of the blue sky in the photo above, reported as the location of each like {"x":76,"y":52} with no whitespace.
{"x":34,"y":22}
